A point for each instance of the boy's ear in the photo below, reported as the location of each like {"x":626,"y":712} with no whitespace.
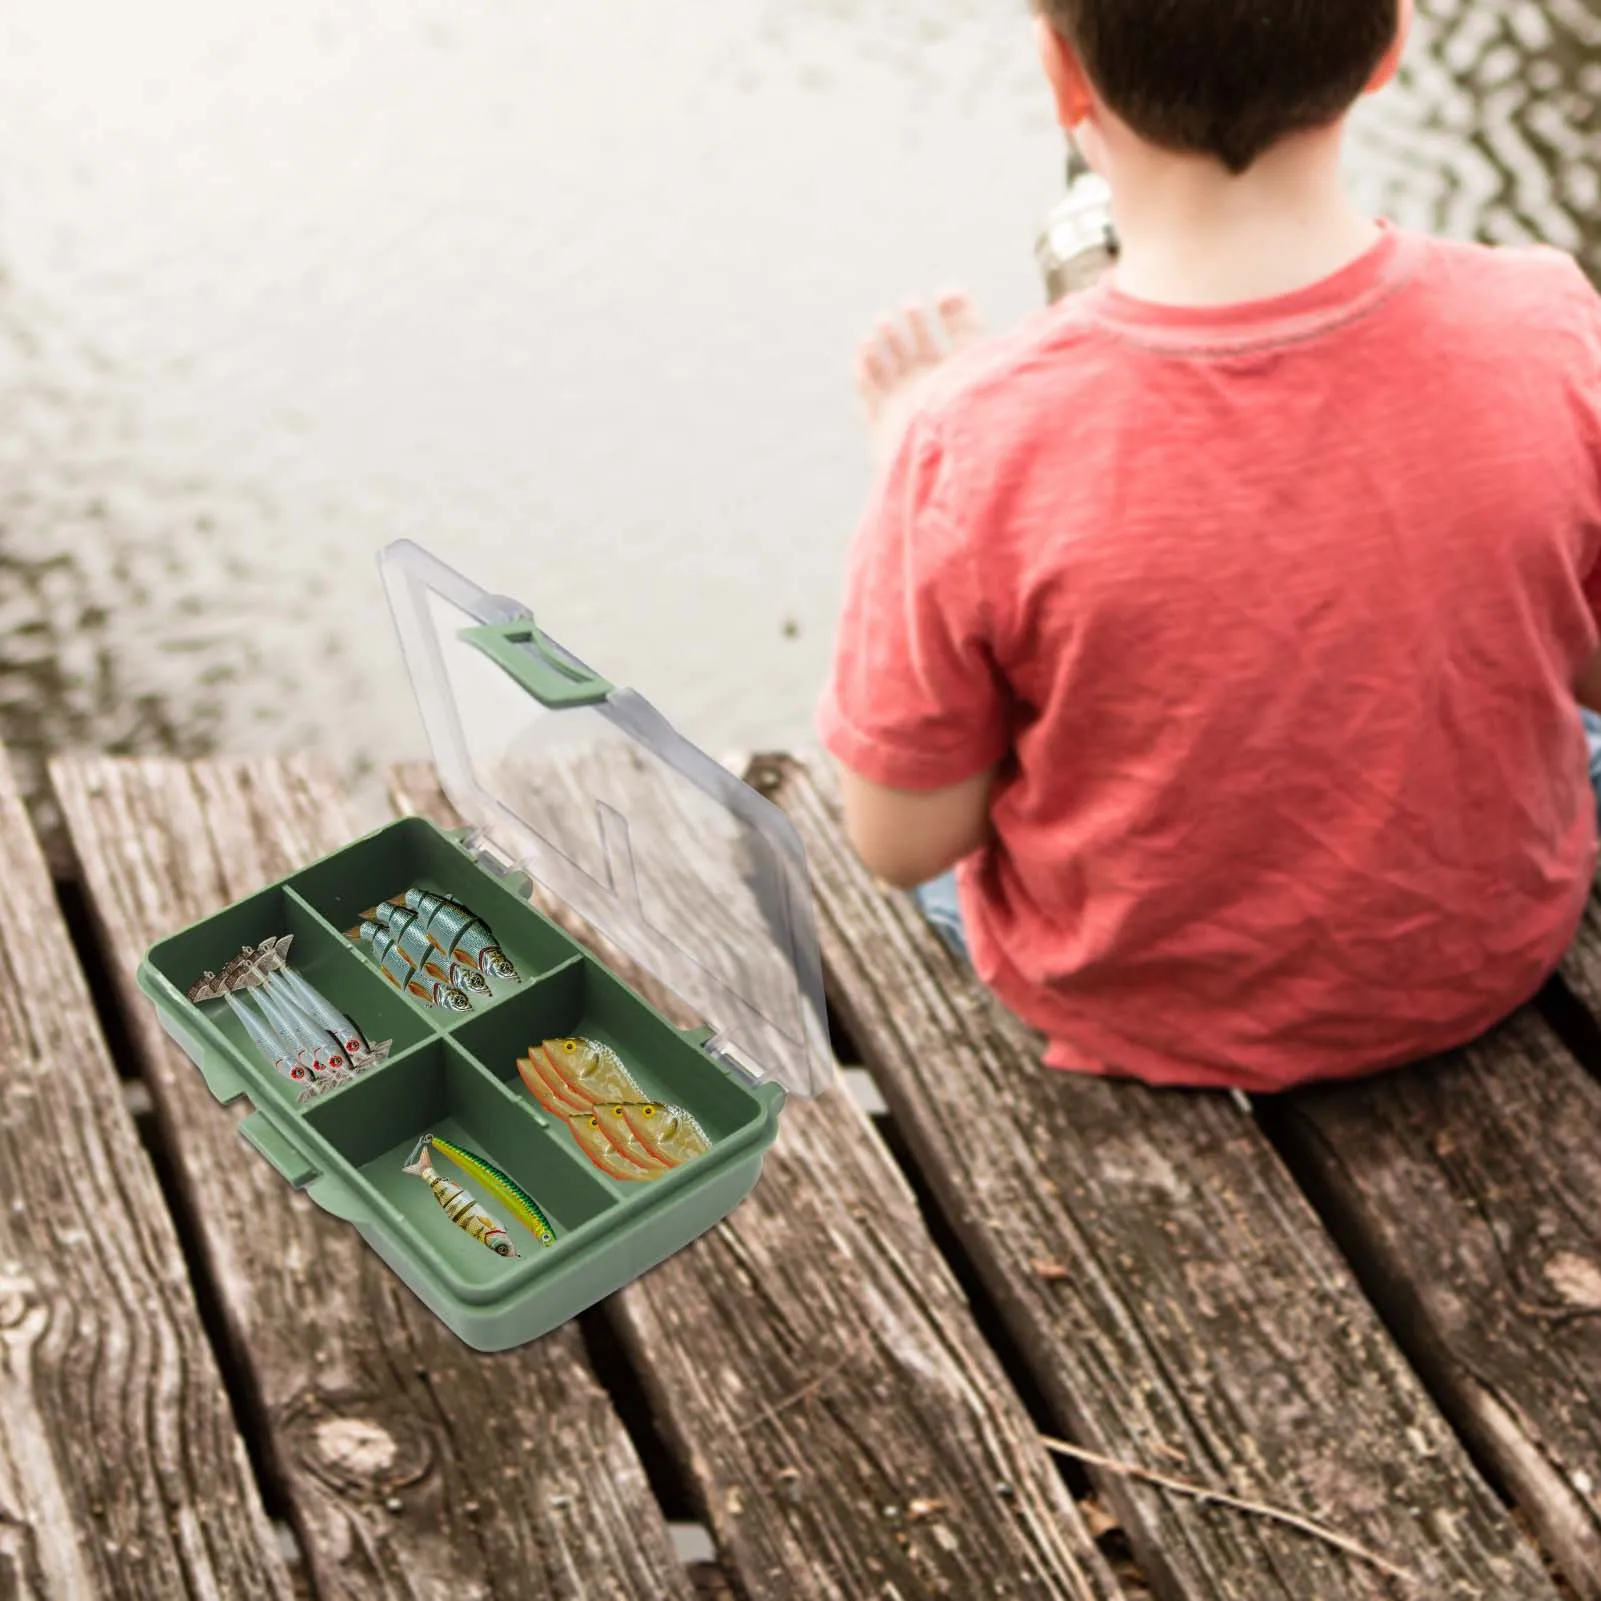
{"x":1391,"y":63}
{"x":1070,"y":87}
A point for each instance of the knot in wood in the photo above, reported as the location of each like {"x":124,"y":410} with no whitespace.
{"x":346,"y":1444}
{"x":357,"y":1446}
{"x":1576,"y":1279}
{"x":764,"y":777}
{"x":18,"y":1296}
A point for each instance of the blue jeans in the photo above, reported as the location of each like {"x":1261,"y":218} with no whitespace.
{"x":937,"y":901}
{"x":937,"y":898}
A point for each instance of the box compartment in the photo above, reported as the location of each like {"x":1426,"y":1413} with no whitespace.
{"x":318,"y":953}
{"x":373,"y":1124}
{"x":415,"y":853}
{"x":583,"y":998}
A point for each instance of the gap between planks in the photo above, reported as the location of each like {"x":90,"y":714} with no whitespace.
{"x":808,"y":1456}
{"x":511,"y":1473}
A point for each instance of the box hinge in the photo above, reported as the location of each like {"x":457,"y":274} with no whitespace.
{"x":483,"y":850}
{"x":716,"y":1045}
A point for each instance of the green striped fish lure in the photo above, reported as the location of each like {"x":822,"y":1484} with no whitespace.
{"x":502,"y":1186}
{"x":459,"y":1205}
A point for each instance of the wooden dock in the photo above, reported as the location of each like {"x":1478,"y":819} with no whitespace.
{"x":982,"y":1330}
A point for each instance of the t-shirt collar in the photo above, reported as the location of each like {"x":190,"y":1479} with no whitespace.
{"x":1335,"y":299}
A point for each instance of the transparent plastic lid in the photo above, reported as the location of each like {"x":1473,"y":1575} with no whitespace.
{"x":590,"y":791}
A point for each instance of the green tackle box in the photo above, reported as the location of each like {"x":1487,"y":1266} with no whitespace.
{"x":583,"y":788}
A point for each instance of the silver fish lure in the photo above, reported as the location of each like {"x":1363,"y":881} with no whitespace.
{"x":406,"y":976}
{"x":411,"y":940}
{"x":312,"y":1045}
{"x":313,"y":1024}
{"x":331,"y":1019}
{"x":285,"y":1058}
{"x":326,"y":1068}
{"x":291,"y":1023}
{"x":459,"y":933}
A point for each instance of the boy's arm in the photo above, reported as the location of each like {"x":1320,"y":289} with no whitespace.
{"x":916,"y":714}
{"x":907,"y":837}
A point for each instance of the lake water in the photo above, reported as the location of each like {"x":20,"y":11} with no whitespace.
{"x":566,"y":293}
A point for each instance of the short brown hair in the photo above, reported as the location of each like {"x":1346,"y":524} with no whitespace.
{"x":1227,"y":78}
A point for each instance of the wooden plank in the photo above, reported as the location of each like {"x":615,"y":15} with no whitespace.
{"x":818,"y":1372}
{"x":1467,"y":1188}
{"x":412,"y":1465}
{"x":121,"y":1471}
{"x":1581,"y":967}
{"x":1171,"y":1288}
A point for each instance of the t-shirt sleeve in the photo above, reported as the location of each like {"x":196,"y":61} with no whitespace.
{"x":915,"y":700}
{"x":1589,"y":400}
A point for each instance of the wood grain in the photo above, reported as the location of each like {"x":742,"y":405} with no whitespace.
{"x":412,"y":1465}
{"x":816,"y":1368}
{"x":122,"y":1473}
{"x":1581,"y":966}
{"x":1465,"y":1188}
{"x":1174,"y":1293}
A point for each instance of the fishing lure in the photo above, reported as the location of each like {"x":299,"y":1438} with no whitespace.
{"x":502,"y":1186}
{"x":291,"y":1023}
{"x":459,"y":1205}
{"x":405,"y":977}
{"x":668,"y":1132}
{"x":411,"y":940}
{"x":313,"y":1074}
{"x":615,"y":1126}
{"x":272,"y":1032}
{"x":410,"y":936}
{"x":593,"y":1143}
{"x":400,"y":966}
{"x":545,"y":1085}
{"x":461,"y":934}
{"x":251,"y":965}
{"x":594,"y":1071}
{"x":331,"y":1019}
{"x":445,"y":996}
{"x":282,"y":1057}
{"x":314,"y":1047}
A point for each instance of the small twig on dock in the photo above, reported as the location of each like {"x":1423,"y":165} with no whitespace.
{"x":1202,"y":1493}
{"x":805,"y":1390}
{"x":1556,"y":1314}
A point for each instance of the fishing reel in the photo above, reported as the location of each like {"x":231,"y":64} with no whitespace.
{"x":1078,"y":242}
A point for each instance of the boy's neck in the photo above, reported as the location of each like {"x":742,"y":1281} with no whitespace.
{"x":1193,"y":235}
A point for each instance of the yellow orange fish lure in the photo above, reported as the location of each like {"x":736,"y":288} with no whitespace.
{"x":615,"y":1125}
{"x":591,"y":1070}
{"x":667,"y":1131}
{"x":593,"y":1143}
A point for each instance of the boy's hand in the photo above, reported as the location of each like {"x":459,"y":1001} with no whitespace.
{"x":896,"y":360}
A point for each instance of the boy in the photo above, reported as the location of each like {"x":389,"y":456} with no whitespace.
{"x":1224,"y":623}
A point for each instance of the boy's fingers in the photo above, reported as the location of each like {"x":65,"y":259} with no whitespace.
{"x":924,"y":347}
{"x":959,"y":316}
{"x":892,"y":342}
{"x":871,"y":373}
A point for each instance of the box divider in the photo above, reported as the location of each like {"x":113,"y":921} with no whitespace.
{"x":357,"y":953}
{"x":370,"y":1076}
{"x":416,"y":852}
{"x":555,"y":1129}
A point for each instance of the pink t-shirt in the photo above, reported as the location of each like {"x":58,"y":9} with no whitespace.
{"x":1271,"y":615}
